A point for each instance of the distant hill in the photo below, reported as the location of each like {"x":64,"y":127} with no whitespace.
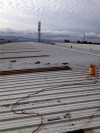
{"x":12,"y":35}
{"x":14,"y":38}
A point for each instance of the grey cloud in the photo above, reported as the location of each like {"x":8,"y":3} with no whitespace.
{"x":55,"y":15}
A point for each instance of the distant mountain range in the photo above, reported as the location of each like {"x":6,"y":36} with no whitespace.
{"x":13,"y":38}
{"x":9,"y":34}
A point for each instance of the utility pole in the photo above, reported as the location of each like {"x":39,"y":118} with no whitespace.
{"x":39,"y":31}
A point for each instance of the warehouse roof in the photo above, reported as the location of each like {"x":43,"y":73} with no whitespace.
{"x":62,"y":101}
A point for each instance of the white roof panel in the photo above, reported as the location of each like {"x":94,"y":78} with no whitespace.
{"x":66,"y":99}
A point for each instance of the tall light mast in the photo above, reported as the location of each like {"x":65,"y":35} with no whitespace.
{"x":84,"y":37}
{"x":39,"y":31}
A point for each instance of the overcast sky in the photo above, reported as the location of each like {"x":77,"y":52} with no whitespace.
{"x":57,"y":16}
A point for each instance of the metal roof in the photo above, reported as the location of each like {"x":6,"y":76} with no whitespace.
{"x":69,"y":102}
{"x":66,"y":100}
{"x":27,"y":53}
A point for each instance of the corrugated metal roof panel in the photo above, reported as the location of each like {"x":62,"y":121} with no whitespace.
{"x":57,"y":54}
{"x":68,"y":102}
{"x":66,"y":99}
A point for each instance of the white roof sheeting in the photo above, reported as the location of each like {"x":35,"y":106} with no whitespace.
{"x":68,"y":93}
{"x":66,"y":99}
{"x":28,"y":53}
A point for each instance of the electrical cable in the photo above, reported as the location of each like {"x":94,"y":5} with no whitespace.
{"x":30,"y":113}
